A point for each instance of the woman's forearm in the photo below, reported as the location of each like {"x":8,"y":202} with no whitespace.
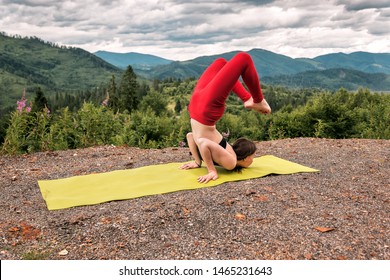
{"x":205,"y":146}
{"x":194,"y":149}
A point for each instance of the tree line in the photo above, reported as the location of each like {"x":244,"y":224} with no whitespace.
{"x":154,"y":115}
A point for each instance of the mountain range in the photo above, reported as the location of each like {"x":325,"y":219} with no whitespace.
{"x":29,"y":62}
{"x":331,"y":71}
{"x":268,"y":63}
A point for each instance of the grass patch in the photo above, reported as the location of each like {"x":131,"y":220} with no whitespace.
{"x":35,"y":255}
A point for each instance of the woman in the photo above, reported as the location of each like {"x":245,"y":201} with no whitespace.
{"x":207,"y":106}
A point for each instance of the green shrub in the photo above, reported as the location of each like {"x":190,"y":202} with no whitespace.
{"x":341,"y":114}
{"x":95,"y":125}
{"x":62,"y":133}
{"x":37,"y":138}
{"x":15,"y":141}
{"x":148,"y":130}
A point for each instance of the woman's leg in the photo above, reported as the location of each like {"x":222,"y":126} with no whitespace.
{"x":209,"y":74}
{"x":240,"y":65}
{"x":227,"y":77}
{"x":207,"y":104}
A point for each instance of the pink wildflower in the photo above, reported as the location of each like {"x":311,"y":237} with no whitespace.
{"x":47,"y":110}
{"x":105,"y":101}
{"x":22,"y":103}
{"x":28,"y":109}
{"x":182,"y":144}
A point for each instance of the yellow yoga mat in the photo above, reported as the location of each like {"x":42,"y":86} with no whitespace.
{"x":150,"y":180}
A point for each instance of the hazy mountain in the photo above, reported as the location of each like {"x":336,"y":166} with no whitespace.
{"x":361,"y":61}
{"x":351,"y":71}
{"x":333,"y":79}
{"x":136,"y":60}
{"x":267,"y":63}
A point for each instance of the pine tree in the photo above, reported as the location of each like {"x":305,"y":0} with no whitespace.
{"x":112,"y":95}
{"x":40,"y":101}
{"x":178,"y":107}
{"x":128,"y":91}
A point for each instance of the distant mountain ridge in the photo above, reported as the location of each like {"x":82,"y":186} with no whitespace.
{"x":268,"y":63}
{"x":333,"y":79}
{"x":331,"y":71}
{"x":136,"y":60}
{"x":361,"y":61}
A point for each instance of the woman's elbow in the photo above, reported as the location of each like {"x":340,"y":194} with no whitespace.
{"x":231,"y":165}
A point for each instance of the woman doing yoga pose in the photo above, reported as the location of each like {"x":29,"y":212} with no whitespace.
{"x":207,"y":106}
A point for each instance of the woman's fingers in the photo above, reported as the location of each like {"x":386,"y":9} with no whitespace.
{"x":208,"y":177}
{"x":184,"y":166}
{"x":189,"y":165}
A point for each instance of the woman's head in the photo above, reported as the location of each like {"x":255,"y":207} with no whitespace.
{"x":245,"y":151}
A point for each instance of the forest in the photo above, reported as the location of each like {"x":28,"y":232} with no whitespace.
{"x":153,"y":114}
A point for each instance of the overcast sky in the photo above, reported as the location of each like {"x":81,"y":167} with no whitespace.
{"x":181,"y":30}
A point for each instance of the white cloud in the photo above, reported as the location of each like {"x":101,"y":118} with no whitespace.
{"x":356,"y":5}
{"x":179,"y":29}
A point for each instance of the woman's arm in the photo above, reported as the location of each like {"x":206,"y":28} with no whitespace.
{"x":212,"y":152}
{"x":194,"y":152}
{"x":205,"y":148}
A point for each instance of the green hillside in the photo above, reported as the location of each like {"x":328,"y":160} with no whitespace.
{"x":31,"y":62}
{"x":274,"y":69}
{"x":28,"y":62}
{"x":267,"y":63}
{"x":362,"y":61}
{"x":333,"y":79}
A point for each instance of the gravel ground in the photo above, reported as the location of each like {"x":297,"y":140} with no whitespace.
{"x":341,"y":212}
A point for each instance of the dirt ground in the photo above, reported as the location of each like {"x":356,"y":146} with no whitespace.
{"x":339,"y":213}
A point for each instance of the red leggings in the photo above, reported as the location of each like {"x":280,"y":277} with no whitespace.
{"x":207,"y":103}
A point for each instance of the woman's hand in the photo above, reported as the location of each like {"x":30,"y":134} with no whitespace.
{"x":190,"y":165}
{"x":212,"y":175}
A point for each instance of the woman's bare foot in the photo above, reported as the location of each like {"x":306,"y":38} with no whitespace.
{"x":261,"y":107}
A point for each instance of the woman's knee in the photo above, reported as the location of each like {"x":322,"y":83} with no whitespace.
{"x":205,"y":144}
{"x":220,"y":60}
{"x":243,"y":56}
{"x":202,"y":142}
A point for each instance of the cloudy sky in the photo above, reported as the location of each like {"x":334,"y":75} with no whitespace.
{"x":180,"y":29}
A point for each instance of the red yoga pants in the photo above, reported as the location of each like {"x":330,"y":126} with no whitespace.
{"x":207,"y":103}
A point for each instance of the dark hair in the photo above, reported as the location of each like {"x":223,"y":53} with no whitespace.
{"x":243,"y":148}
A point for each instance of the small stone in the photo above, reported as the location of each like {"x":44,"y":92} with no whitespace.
{"x":63,"y":252}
